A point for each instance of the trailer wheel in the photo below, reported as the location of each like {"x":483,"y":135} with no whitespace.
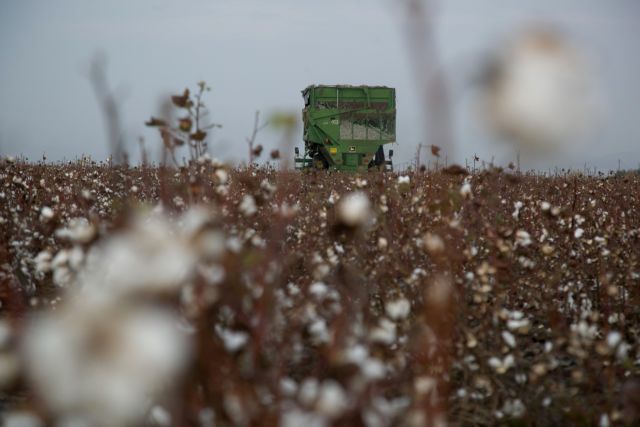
{"x":378,"y":160}
{"x":319,"y":162}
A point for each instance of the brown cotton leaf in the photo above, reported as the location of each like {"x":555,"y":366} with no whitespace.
{"x":155,"y":122}
{"x":181,"y":101}
{"x":199,"y":135}
{"x":185,"y":124}
{"x":435,"y":150}
{"x":275,"y":154}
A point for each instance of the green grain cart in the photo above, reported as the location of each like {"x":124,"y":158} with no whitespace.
{"x":345,"y":127}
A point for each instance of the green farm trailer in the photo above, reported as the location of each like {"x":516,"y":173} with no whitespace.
{"x":346,"y":127}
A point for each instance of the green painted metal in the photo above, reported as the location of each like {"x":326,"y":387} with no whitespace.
{"x":346,"y":127}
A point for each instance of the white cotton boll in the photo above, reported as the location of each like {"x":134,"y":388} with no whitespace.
{"x":140,"y":265}
{"x":494,"y":362}
{"x":333,"y":197}
{"x":160,"y":416}
{"x":178,"y":201}
{"x":515,"y":408}
{"x":354,"y":210}
{"x":234,"y":244}
{"x":516,"y":211}
{"x":518,"y":324}
{"x":613,"y":339}
{"x":76,"y":257}
{"x":194,"y":220}
{"x":523,"y":238}
{"x":297,"y":418}
{"x":102,"y":364}
{"x":62,"y":274}
{"x":213,"y":274}
{"x":433,"y":243}
{"x":78,"y":230}
{"x":578,"y":233}
{"x":373,"y":369}
{"x":425,"y":384}
{"x":404,"y":179}
{"x":267,"y":186}
{"x":308,"y":391}
{"x":501,"y":365}
{"x":384,"y":333}
{"x":356,"y":354}
{"x":154,"y":256}
{"x":222,"y":176}
{"x":332,"y":399}
{"x":288,"y":387}
{"x":46,"y":213}
{"x":382,"y":243}
{"x":42,"y":261}
{"x":248,"y":205}
{"x":465,"y":190}
{"x":538,"y":92}
{"x":319,"y":290}
{"x":211,"y":244}
{"x":61,"y":258}
{"x":319,"y":332}
{"x":233,"y":340}
{"x":509,"y":339}
{"x":398,"y":309}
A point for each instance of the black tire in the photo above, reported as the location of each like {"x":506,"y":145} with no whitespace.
{"x":378,"y":160}
{"x":319,"y":162}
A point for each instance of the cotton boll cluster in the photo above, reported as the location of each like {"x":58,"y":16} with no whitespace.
{"x":78,"y":230}
{"x":100,"y":363}
{"x":155,"y":256}
{"x":111,"y":346}
{"x":465,"y":190}
{"x":248,"y":205}
{"x":398,"y":309}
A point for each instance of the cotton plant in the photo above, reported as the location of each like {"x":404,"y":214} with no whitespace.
{"x":110,"y":345}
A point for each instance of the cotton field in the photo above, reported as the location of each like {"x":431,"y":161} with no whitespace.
{"x":215,"y":296}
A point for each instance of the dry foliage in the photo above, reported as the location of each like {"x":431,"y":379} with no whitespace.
{"x":472,"y":299}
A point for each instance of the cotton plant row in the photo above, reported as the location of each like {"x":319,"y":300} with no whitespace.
{"x":210,"y":295}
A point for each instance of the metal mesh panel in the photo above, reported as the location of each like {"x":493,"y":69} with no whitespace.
{"x":359,"y":131}
{"x":345,"y":129}
{"x":374,"y":133}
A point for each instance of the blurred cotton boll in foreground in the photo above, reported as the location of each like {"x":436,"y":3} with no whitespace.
{"x":104,"y":353}
{"x":537,"y":93}
{"x":155,"y":256}
{"x":102,"y":366}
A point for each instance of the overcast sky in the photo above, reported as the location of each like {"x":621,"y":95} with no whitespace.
{"x":258,"y":55}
